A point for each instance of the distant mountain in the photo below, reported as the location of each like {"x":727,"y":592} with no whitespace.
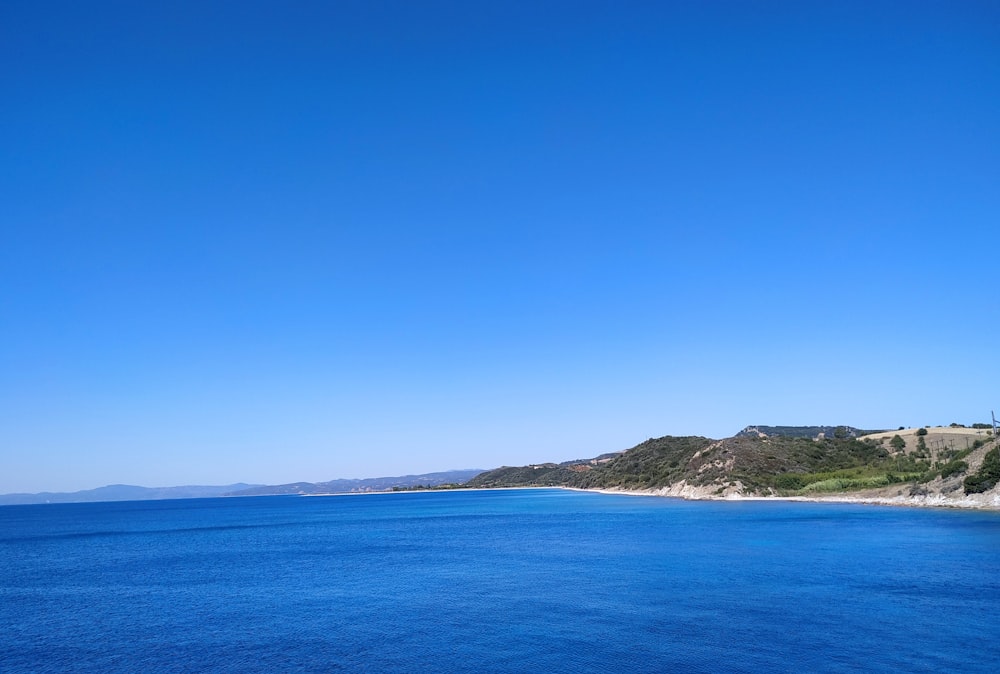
{"x":371,"y":484}
{"x":126,"y":492}
{"x":123,"y":492}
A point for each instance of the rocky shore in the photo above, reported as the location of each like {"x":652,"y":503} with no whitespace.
{"x":891,"y":497}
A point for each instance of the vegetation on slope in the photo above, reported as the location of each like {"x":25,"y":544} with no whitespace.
{"x":656,"y":463}
{"x":759,"y":464}
{"x":539,"y":475}
{"x":803,"y":431}
{"x":766,"y":465}
{"x":987,"y":476}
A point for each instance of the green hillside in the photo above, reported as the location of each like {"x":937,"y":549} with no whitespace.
{"x":751,"y":464}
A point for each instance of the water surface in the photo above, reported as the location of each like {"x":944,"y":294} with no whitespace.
{"x":503,"y":581}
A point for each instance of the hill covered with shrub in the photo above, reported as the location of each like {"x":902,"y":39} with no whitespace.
{"x":802,"y":461}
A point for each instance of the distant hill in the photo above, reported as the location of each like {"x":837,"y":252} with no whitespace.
{"x":123,"y":492}
{"x":371,"y":484}
{"x":942,"y":463}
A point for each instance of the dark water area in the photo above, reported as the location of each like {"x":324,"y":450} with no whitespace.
{"x":496,"y":581}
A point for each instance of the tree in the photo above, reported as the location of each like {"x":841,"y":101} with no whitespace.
{"x":921,"y":431}
{"x":898,"y":443}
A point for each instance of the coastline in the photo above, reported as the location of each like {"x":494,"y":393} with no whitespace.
{"x":986,"y":501}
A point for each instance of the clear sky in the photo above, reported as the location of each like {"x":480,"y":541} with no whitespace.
{"x":281,"y":241}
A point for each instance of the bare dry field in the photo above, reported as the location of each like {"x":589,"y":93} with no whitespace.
{"x":938,"y":438}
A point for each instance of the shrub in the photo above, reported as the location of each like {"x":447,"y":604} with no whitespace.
{"x":953,"y":468}
{"x":898,"y":443}
{"x":987,"y":476}
{"x":921,"y":431}
{"x":789,"y":481}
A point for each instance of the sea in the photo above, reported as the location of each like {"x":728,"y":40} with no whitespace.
{"x":538,"y":580}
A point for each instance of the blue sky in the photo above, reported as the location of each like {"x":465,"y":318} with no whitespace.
{"x":270,"y":242}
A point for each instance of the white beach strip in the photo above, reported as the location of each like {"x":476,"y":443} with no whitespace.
{"x":986,"y":501}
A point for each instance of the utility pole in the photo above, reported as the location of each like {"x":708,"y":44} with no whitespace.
{"x":994,"y":424}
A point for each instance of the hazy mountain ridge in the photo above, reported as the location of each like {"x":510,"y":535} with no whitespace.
{"x":123,"y":492}
{"x":371,"y":484}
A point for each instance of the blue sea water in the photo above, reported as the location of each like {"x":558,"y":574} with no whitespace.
{"x":496,"y":581}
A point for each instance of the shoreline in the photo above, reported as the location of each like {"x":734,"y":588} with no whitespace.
{"x":987,"y":501}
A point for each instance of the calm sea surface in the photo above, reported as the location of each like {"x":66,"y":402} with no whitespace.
{"x":496,"y":581}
